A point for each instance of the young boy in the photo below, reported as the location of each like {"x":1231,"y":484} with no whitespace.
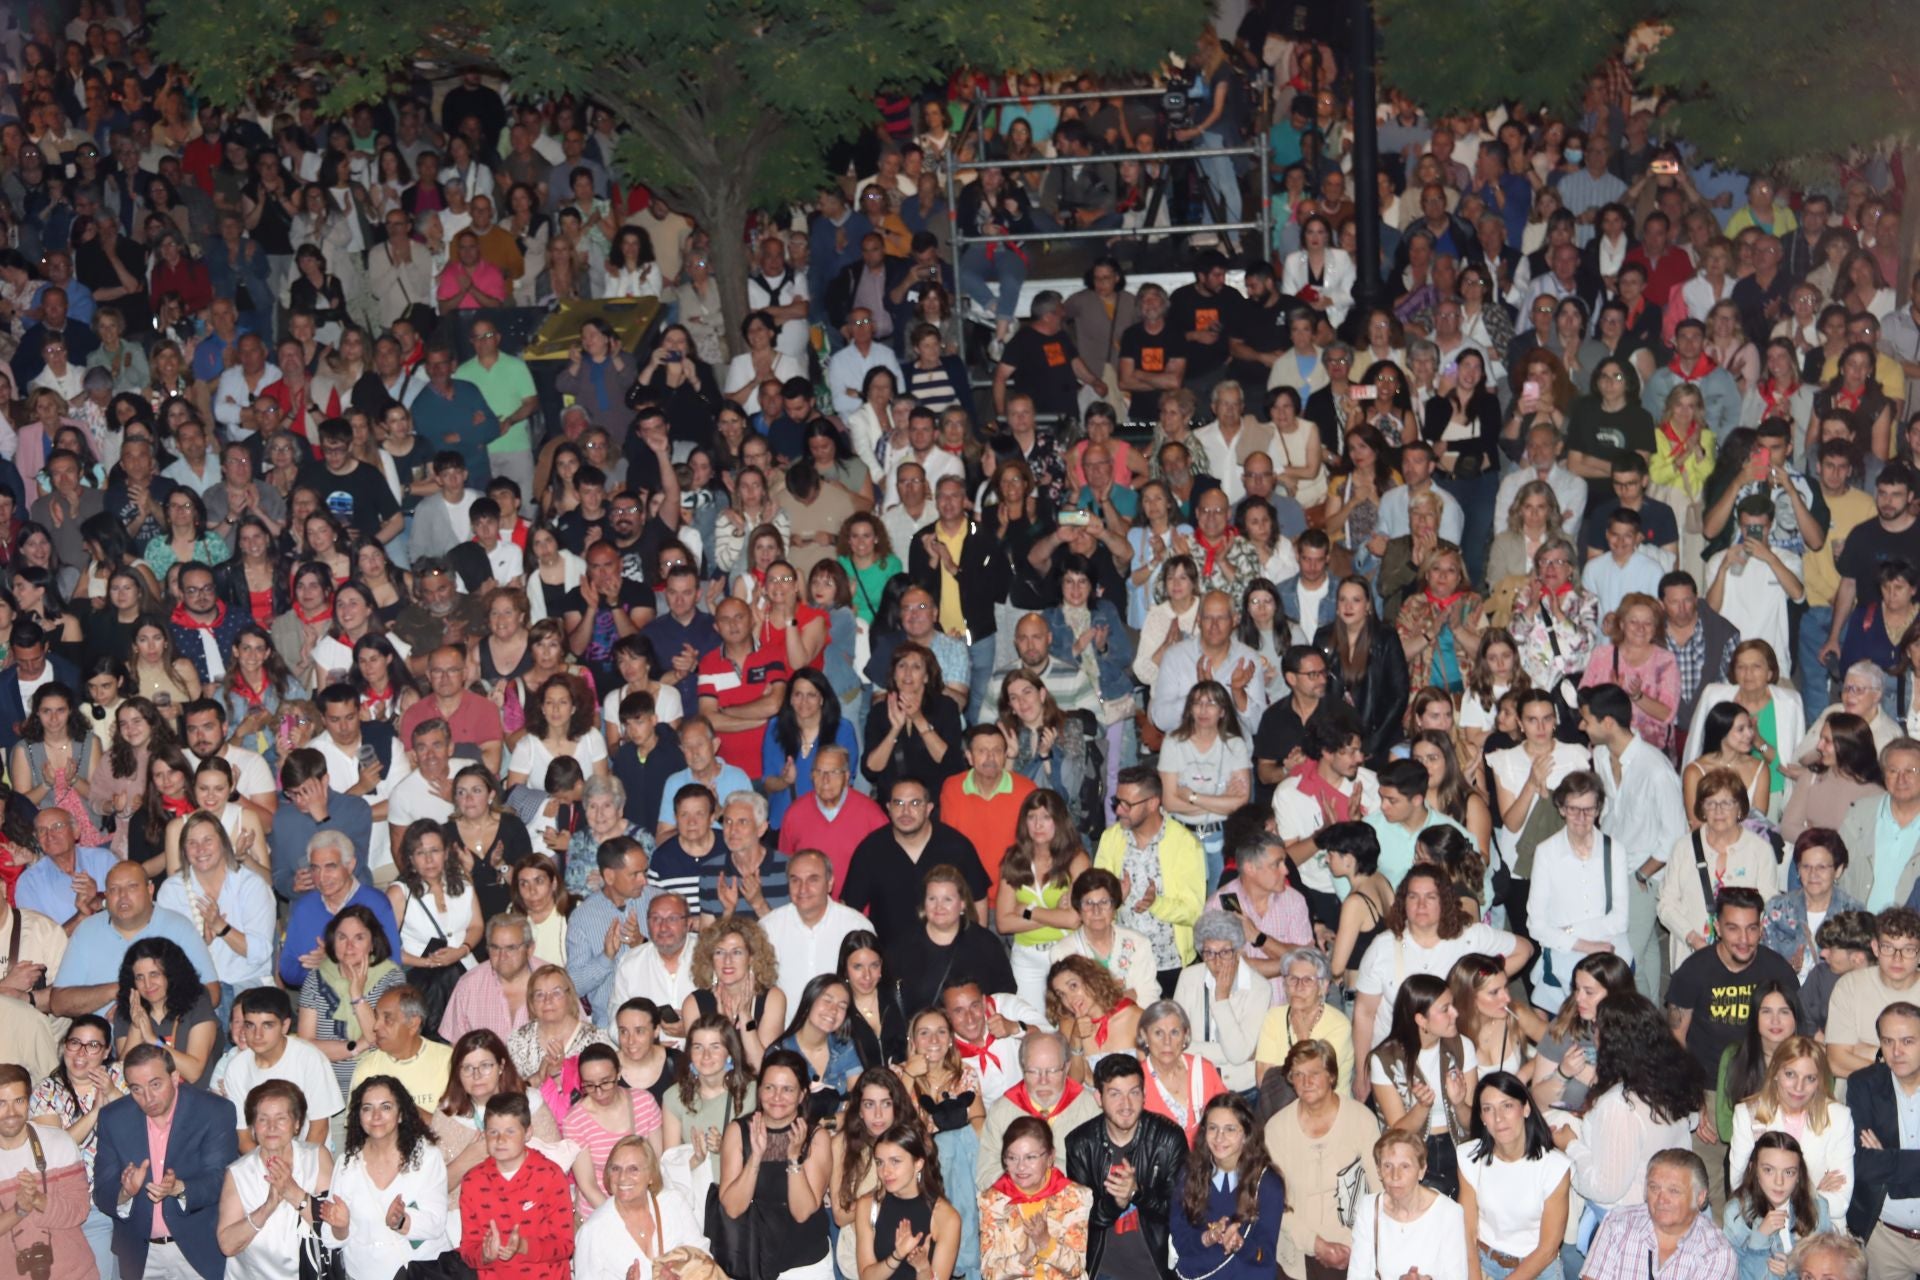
{"x":516,"y":1209}
{"x":648,"y":754}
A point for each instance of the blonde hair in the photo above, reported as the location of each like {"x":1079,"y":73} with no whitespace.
{"x":1767,"y":1105}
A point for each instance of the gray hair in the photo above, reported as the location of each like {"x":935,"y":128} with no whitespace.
{"x":1337,"y":348}
{"x":1157,"y":1012}
{"x":332,"y":839}
{"x":826,"y":863}
{"x":754,"y":799}
{"x":1225,"y":385}
{"x":1260,"y":847}
{"x":834,"y":748}
{"x":1555,"y":542}
{"x":1869,"y":673}
{"x":510,"y":920}
{"x":1682,"y":1158}
{"x":598,"y":786}
{"x":1421,"y":347}
{"x":1314,"y":956}
{"x":410,"y":1003}
{"x":1046,"y":303}
{"x":1850,"y":1252}
{"x":1034,"y":1039}
{"x":1218,"y":926}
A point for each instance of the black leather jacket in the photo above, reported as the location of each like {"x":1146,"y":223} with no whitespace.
{"x":1381,"y":699}
{"x":1158,"y":1153}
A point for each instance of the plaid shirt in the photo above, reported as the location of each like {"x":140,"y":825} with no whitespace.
{"x":1625,"y":1249}
{"x":1692,"y":657}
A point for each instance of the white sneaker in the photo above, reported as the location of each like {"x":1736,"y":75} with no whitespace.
{"x":979,"y":314}
{"x":996,"y":348}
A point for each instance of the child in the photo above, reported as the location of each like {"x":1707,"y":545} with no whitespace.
{"x":1773,"y":1207}
{"x":648,"y":754}
{"x":516,"y":1209}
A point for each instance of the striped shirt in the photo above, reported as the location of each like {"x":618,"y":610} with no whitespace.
{"x":599,"y":1141}
{"x":1625,"y":1248}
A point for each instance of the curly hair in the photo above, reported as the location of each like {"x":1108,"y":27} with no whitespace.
{"x":409,"y":848}
{"x":1638,"y":1055}
{"x":739,"y":1076}
{"x":183,"y":983}
{"x":584,"y":710}
{"x":858,"y":1153}
{"x":455,"y":1100}
{"x":1453,"y":916}
{"x":120,"y":756}
{"x":413,"y":1130}
{"x":1106,"y":989}
{"x":766,"y":965}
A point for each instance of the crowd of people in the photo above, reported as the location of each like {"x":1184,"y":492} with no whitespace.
{"x":1256,"y":779}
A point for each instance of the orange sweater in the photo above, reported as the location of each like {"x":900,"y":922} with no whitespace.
{"x":991,"y":823}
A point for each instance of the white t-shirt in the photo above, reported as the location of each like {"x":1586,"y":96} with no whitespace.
{"x":531,"y":757}
{"x":1208,"y":773}
{"x":791,"y":287}
{"x":59,"y":1149}
{"x":666,"y":705}
{"x":1511,"y":1197}
{"x":1511,"y":767}
{"x":1755,"y":602}
{"x":413,"y":799}
{"x":1391,"y":960}
{"x":332,"y":655}
{"x":1428,"y":1064}
{"x":1475,"y":714}
{"x":1310,"y":597}
{"x":1298,"y":816}
{"x":300,"y":1065}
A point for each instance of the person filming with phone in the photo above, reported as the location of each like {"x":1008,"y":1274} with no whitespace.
{"x":1751,"y":583}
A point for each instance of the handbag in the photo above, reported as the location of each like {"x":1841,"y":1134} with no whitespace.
{"x":434,"y":983}
{"x":320,"y":1260}
{"x":1348,"y":1186}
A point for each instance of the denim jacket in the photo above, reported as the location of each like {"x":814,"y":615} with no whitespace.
{"x":1786,"y":919}
{"x":1116,"y":664}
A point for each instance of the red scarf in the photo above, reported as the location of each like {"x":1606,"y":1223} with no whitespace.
{"x":1679,"y":442}
{"x":1018,"y":1097}
{"x":325,"y":615}
{"x":1334,"y":803}
{"x":1100,"y":1024}
{"x":1056,"y":1183}
{"x":1213,"y":551}
{"x":181,"y":618}
{"x":176,"y":807}
{"x":1770,"y":398}
{"x":1849,"y":400}
{"x":1702,"y":367}
{"x":253,"y":697}
{"x":984,"y":1052}
{"x":1439,"y":606}
{"x":1560,"y":590}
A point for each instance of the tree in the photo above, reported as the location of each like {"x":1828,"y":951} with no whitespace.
{"x":726,"y":105}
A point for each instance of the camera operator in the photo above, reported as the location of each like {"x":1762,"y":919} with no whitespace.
{"x":1219,"y":116}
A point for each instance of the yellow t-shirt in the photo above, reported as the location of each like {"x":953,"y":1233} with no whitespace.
{"x":953,"y":619}
{"x":1817,"y":571}
{"x":424,"y":1075}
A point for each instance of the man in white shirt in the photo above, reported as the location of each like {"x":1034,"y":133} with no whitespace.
{"x":1527,"y":775}
{"x":1543,"y":463}
{"x":195,"y":468}
{"x":661,"y":969}
{"x":1752,"y":582}
{"x":1416,"y":468}
{"x":775,"y":288}
{"x":1645,"y":814}
{"x":269,"y":1052}
{"x":1338,"y":791}
{"x":910,"y":504}
{"x":922,"y":452}
{"x":847,"y":370}
{"x":204,"y":722}
{"x":806,"y":932}
{"x":241,"y":383}
{"x":970,"y":1013}
{"x":1214,"y":654}
{"x":427,"y":792}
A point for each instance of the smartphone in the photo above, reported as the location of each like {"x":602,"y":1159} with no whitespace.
{"x":1665,"y":167}
{"x":1364,"y":393}
{"x":1451,"y":368}
{"x":1231,"y":902}
{"x":1530,"y":392}
{"x":1763,"y":458}
{"x":1077,"y":519}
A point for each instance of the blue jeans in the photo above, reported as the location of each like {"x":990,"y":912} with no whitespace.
{"x":1810,"y":673}
{"x":1214,"y":846}
{"x":980,"y":682}
{"x":1494,"y":1271}
{"x":977,"y":268}
{"x":1220,"y":176}
{"x":1475,"y":494}
{"x":98,"y":1229}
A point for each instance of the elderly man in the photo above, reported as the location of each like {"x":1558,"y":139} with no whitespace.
{"x":1670,"y":1237}
{"x":1044,"y":1092}
{"x":89,"y":975}
{"x":327,"y":885}
{"x":1832,"y":1255}
{"x":493,"y":996}
{"x":64,"y":883}
{"x":832,"y":819}
{"x":847,"y":371}
{"x":1214,"y":654}
{"x":608,"y":923}
{"x":1272,"y":915}
{"x":427,"y":792}
{"x":660,"y":969}
{"x":751,"y":875}
{"x":1543,"y":464}
{"x":312,"y":808}
{"x":401,"y":1051}
{"x":241,"y":384}
{"x":807,"y":931}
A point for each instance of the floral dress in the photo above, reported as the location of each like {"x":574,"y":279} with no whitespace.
{"x":51,"y":1098}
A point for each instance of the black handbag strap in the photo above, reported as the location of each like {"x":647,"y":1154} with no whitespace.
{"x":1700,"y":866}
{"x":438,"y":933}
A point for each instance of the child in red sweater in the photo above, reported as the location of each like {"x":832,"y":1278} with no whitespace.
{"x":516,"y":1210}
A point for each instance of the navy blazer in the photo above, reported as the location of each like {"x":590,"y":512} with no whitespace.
{"x":1888,"y":1172}
{"x":13,"y":707}
{"x":201,"y":1144}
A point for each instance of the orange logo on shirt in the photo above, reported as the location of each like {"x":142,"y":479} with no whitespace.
{"x":1056,"y":354}
{"x":1153,"y":359}
{"x":1206,"y":318}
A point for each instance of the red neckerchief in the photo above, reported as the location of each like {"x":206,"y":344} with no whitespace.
{"x":984,"y":1052}
{"x":1213,"y":551}
{"x":324,"y":615}
{"x":1560,"y":590}
{"x":182,"y":618}
{"x":176,"y":807}
{"x":1679,"y":443}
{"x":1100,"y":1024}
{"x":1056,"y":1183}
{"x":1849,"y":400}
{"x":415,"y":356}
{"x":1705,"y":365}
{"x":1634,"y":311}
{"x":1019,"y":1097}
{"x":1440,"y":607}
{"x":1334,"y":803}
{"x":253,"y":697}
{"x":374,"y":697}
{"x":1768,"y":395}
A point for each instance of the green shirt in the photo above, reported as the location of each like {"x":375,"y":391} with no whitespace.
{"x":1396,"y":842}
{"x":505,"y":387}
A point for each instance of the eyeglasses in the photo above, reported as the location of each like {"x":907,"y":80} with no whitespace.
{"x":1216,"y":953}
{"x":600,"y":1086}
{"x":1584,"y":810}
{"x":474,"y":1070}
{"x":1721,"y":805}
{"x":86,"y":1046}
{"x":1303,"y":981}
{"x":1096,"y":904}
{"x":907,"y":802}
{"x":1910,"y":952}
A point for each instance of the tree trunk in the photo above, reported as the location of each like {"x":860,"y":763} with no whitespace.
{"x":722,"y":214}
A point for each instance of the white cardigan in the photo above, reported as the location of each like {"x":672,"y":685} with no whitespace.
{"x":1683,"y":908}
{"x":1337,"y":288}
{"x":604,"y":1249}
{"x":1789,"y":718}
{"x":1825,"y":1152}
{"x":573,"y":568}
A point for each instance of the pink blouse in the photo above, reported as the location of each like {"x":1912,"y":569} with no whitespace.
{"x":1659,"y":678}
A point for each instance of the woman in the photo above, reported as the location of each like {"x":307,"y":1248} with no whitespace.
{"x":1797,"y":1098}
{"x":1636,"y":658}
{"x":389,"y":1203}
{"x":1499,"y":1031}
{"x":326,"y":543}
{"x":159,"y":1000}
{"x":1728,"y":741}
{"x":1408,"y":1220}
{"x":1422,"y":1049}
{"x":912,"y":732}
{"x":1775,"y":1015}
{"x":1564,"y":1067}
{"x":1463,"y":425}
{"x":268,"y":1197}
{"x":644,"y":1222}
{"x":1322,"y":1146}
{"x":1728,"y":345}
{"x":760,"y":362}
{"x":1872,"y":633}
{"x":1436,"y":618}
{"x":434,"y":903}
{"x":187,"y":538}
{"x":1263,"y":626}
{"x":1300,"y":466}
{"x":808,"y":719}
{"x":1514,"y":1185}
{"x":108,"y":630}
{"x":879,"y":1102}
{"x":1683,"y":457}
{"x":1857,"y":391}
{"x":299,"y":631}
{"x":1178,"y":1083}
{"x":1308,"y":1014}
{"x":480,"y":1068}
{"x":517,"y":698}
{"x":1555,"y":619}
{"x":751,"y":515}
{"x":37,"y":596}
{"x":1448,"y":792}
{"x":505,"y":651}
{"x":1175,"y":593}
{"x":1036,"y":878}
{"x":818,"y":1033}
{"x":1093,"y":1011}
{"x":1721,"y":853}
{"x":951,"y":948}
{"x":1845,"y":770}
{"x":337,"y":997}
{"x":1320,"y":274}
{"x":387,"y":689}
{"x":1793,"y":919}
{"x":169,"y":797}
{"x":1578,"y":906}
{"x":773,"y":1183}
{"x":1124,"y":953}
{"x":559,"y":723}
{"x":646,"y":1062}
{"x":734,"y":975}
{"x":1353,"y":854}
{"x":677,"y":380}
{"x":546,"y":1050}
{"x":1779,"y":393}
{"x":85,"y":1079}
{"x":1088,"y":633}
{"x":159,"y":673}
{"x":1367,"y":666}
{"x":605,"y":1111}
{"x":251,"y":581}
{"x":1206,"y":770}
{"x":1779,"y":720}
{"x":1225,"y":998}
{"x":355,"y":617}
{"x":1228,"y":1202}
{"x":1033,"y":1218}
{"x":52,"y":763}
{"x":552,"y":571}
{"x":1771,"y":1205}
{"x":604,"y":801}
{"x":230,"y":905}
{"x":118,"y":786}
{"x":711,"y":1092}
{"x":866,"y":553}
{"x":905,"y":1227}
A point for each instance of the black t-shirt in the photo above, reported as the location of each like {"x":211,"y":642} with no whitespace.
{"x":1597,"y":433}
{"x":572,"y":528}
{"x":599,"y":654}
{"x":1150,"y":353}
{"x":360,"y":499}
{"x":638,"y":560}
{"x":1657,"y":525}
{"x":1190,"y":311}
{"x":885,"y":883}
{"x":1281,"y":730}
{"x":1867,"y":548}
{"x":408,"y":465}
{"x":1043,"y":368}
{"x":645,"y":780}
{"x":1262,"y":326}
{"x":1719,"y":998}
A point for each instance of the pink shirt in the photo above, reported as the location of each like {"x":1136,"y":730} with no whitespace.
{"x":486,"y":279}
{"x":579,"y":1126}
{"x":1659,"y":679}
{"x":158,"y":1131}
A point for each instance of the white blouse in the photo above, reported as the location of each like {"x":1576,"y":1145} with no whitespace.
{"x":1434,"y":1244}
{"x":372,"y":1248}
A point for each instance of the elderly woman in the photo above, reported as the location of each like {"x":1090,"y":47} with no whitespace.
{"x":1124,"y":953}
{"x":546,"y":1051}
{"x":1225,"y":1001}
{"x":1555,"y":620}
{"x":1033,"y":1219}
{"x":1322,"y":1146}
{"x":268,"y":1195}
{"x":1402,"y":558}
{"x":1440,"y":620}
{"x":1178,"y":1082}
{"x":1726,"y":854}
{"x":605,"y":802}
{"x":1307,"y":1015}
{"x":1636,"y":658}
{"x":645,"y":1221}
{"x":338,"y":995}
{"x":1407,"y":1220}
{"x":1865,"y":692}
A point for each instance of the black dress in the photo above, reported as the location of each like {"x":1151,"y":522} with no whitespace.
{"x":889,"y":1213}
{"x":890,"y":1045}
{"x":910,"y":758}
{"x":926,"y":968}
{"x":768,"y":1237}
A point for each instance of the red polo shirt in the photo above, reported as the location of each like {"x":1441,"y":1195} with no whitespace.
{"x":734,"y":686}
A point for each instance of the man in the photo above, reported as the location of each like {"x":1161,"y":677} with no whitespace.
{"x":1417,"y":462}
{"x":1131,"y":1159}
{"x":270,"y":1051}
{"x":327,"y":885}
{"x":741,"y":686}
{"x":1884,"y":1098}
{"x":63,"y":509}
{"x":493,"y":996}
{"x":454,"y":413}
{"x":1273,"y":920}
{"x":88,"y":977}
{"x":646,"y":755}
{"x":1152,"y":356}
{"x":785,"y":292}
{"x":1860,"y":997}
{"x":1403,"y":814}
{"x":312,"y":806}
{"x":1543,"y":464}
{"x":1889,"y":536}
{"x":1068,"y":683}
{"x":64,"y":882}
{"x":604,"y":609}
{"x":469,"y":282}
{"x":700,"y":745}
{"x":1628,"y":476}
{"x":1164,"y":908}
{"x":1644,"y":813}
{"x":1337,"y":789}
{"x":958,"y":563}
{"x":1526,"y":775}
{"x":1670,"y":1236}
{"x":191,"y":470}
{"x":1630,"y":565}
{"x":607,"y":923}
{"x":973,"y":1015}
{"x":1590,"y":188}
{"x":884,"y":878}
{"x":354,"y":493}
{"x":1308,"y":597}
{"x":49,"y":1164}
{"x":204,"y":627}
{"x":159,"y":1168}
{"x":1701,"y":640}
{"x":507,"y":385}
{"x":443,"y":519}
{"x":911,"y":471}
{"x":919,"y":623}
{"x":471,"y":718}
{"x":661,"y":969}
{"x":750,"y":877}
{"x":1216,"y":653}
{"x":401,"y":1051}
{"x":683,"y":634}
{"x":1693,"y":366}
{"x":984,"y":803}
{"x":1753,"y":583}
{"x":57,"y":327}
{"x":832,"y":819}
{"x":1204,"y":314}
{"x":242,"y":383}
{"x":1044,"y":1092}
{"x":807,"y":931}
{"x":848,"y":369}
{"x":1042,"y":362}
{"x":32,"y":667}
{"x":1848,"y":507}
{"x":1799,"y":514}
{"x":682,"y":860}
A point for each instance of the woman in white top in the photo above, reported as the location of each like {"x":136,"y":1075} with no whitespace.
{"x":391,"y":1163}
{"x":1320,"y":274}
{"x":630,"y":271}
{"x":1797,"y":1098}
{"x":1300,"y":365}
{"x":1175,"y":613}
{"x":643,"y":1218}
{"x":216,"y":890}
{"x":433,"y":901}
{"x":1578,"y":904}
{"x":1206,"y":770}
{"x":559,"y":724}
{"x":1225,"y":999}
{"x":1125,"y":954}
{"x":759,"y":362}
{"x":1721,"y":854}
{"x":1157,"y":539}
{"x":1300,"y":466}
{"x":1514,"y":1186}
{"x":1407,"y":1226}
{"x":266,"y":1199}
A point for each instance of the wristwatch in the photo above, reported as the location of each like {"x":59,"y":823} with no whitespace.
{"x":1026,"y":913}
